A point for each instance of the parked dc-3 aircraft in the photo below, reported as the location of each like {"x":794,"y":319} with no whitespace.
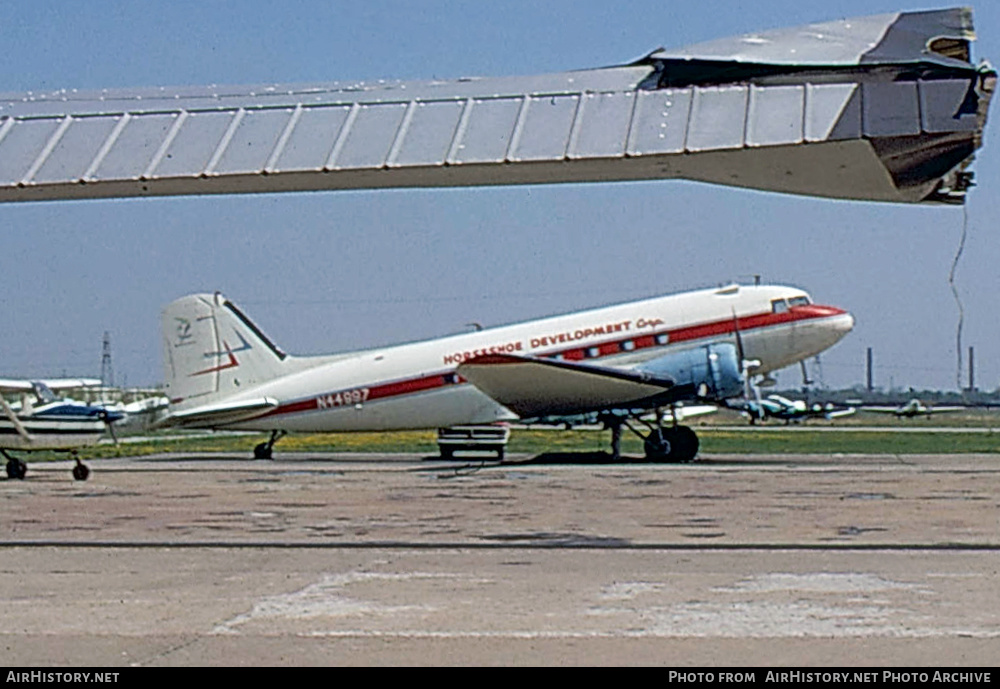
{"x":42,"y":421}
{"x":622,"y":361}
{"x":912,"y":409}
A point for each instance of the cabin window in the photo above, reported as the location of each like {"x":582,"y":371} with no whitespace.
{"x":779,"y":306}
{"x":626,"y":346}
{"x":662,"y":339}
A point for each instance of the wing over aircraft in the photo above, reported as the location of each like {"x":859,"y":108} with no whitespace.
{"x":618,"y":361}
{"x":43,"y":421}
{"x":886,"y":108}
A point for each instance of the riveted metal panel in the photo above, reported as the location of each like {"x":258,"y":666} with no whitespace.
{"x":546,"y":128}
{"x":132,"y":151}
{"x":601,"y":130}
{"x":488,"y":131}
{"x":775,"y":115}
{"x":312,"y":138}
{"x":253,"y":141}
{"x":890,"y":108}
{"x":22,"y":146}
{"x":194,"y":144}
{"x":76,"y":149}
{"x":367,"y":142}
{"x":830,"y":106}
{"x":941,"y":106}
{"x":718,"y":118}
{"x":430,"y":133}
{"x":660,"y":121}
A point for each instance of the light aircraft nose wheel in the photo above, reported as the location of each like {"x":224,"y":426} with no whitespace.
{"x":16,"y":469}
{"x":81,"y":471}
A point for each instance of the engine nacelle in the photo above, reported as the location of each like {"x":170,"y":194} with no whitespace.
{"x":709,"y":371}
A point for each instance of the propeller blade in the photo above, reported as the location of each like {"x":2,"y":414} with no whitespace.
{"x":9,"y":413}
{"x":110,"y":424}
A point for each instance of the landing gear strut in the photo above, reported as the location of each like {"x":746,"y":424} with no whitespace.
{"x":265,"y":450}
{"x":661,"y":443}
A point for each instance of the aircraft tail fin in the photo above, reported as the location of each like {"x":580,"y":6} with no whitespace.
{"x":212,"y":351}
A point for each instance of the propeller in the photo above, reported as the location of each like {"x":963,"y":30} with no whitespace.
{"x":9,"y":413}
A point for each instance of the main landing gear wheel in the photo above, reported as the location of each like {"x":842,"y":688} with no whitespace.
{"x":671,"y":444}
{"x":16,"y":469}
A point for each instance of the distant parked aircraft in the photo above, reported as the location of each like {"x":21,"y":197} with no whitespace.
{"x":42,"y":421}
{"x":784,"y":409}
{"x":912,"y":409}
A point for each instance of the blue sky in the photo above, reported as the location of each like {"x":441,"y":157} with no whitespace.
{"x":334,"y":271}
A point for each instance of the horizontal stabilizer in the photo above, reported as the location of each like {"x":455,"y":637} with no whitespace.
{"x":532,"y":387}
{"x":220,"y":414}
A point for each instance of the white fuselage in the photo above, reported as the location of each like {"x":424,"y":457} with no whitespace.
{"x":53,"y":426}
{"x":415,"y":385}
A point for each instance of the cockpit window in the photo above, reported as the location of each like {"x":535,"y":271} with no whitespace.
{"x":43,"y":393}
{"x":799,"y":301}
{"x":779,"y":306}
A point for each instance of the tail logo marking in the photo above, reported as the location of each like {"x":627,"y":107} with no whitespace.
{"x":232,"y":363}
{"x":244,"y":347}
{"x":184,"y":333}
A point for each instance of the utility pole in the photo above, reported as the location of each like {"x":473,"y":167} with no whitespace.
{"x":972,"y":369}
{"x":870,"y":387}
{"x":107,"y":374}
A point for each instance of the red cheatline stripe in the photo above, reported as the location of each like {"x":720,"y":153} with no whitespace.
{"x":686,"y":334}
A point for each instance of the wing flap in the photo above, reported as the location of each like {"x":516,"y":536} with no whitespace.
{"x":220,"y":414}
{"x":532,"y":387}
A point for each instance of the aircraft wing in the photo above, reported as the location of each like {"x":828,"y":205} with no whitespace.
{"x":882,"y":108}
{"x":24,"y":385}
{"x":220,"y":414}
{"x":881,"y":410}
{"x":840,"y":413}
{"x":531,"y":386}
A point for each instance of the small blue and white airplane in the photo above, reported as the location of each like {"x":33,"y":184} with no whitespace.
{"x":620,"y":362}
{"x":43,"y":421}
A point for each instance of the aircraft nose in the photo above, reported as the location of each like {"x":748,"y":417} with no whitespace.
{"x":843,"y":324}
